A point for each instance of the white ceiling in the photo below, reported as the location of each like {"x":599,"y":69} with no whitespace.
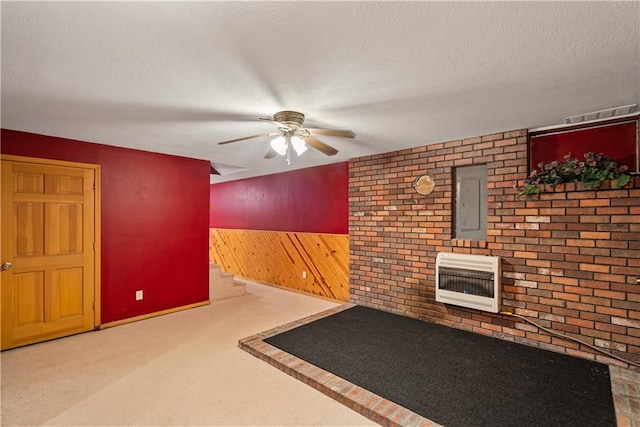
{"x":178,"y":77}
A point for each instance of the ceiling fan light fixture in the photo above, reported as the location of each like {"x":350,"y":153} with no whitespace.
{"x":299,"y":145}
{"x":292,"y":136}
{"x":279,"y":144}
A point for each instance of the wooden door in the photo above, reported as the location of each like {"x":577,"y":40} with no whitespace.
{"x":48,"y":237}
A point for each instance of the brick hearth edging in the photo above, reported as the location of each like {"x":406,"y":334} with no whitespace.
{"x":370,"y":405}
{"x":624,"y":382}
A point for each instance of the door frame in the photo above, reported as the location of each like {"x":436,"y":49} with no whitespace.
{"x":97,"y":216}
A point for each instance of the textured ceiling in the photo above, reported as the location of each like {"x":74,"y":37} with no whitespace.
{"x":178,"y":77}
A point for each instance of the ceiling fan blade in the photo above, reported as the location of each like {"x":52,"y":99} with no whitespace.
{"x":249,"y":137}
{"x":319,"y":145}
{"x":332,"y":132}
{"x":278,"y":124}
{"x":270,"y":154}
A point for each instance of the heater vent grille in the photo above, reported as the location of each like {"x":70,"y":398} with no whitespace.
{"x":471,"y":281}
{"x":477,"y":283}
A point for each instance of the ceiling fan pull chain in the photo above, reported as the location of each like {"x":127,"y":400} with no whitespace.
{"x":288,"y":151}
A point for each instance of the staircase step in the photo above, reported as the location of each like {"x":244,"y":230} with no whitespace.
{"x":223,"y":285}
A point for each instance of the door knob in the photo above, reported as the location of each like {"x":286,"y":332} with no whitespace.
{"x":6,"y":265}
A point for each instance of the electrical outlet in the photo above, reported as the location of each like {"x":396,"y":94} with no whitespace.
{"x":304,"y":274}
{"x":139,"y":295}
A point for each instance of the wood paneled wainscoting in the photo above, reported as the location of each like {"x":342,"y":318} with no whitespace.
{"x":284,"y":258}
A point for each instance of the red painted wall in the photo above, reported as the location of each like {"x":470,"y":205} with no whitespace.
{"x":154,"y":222}
{"x":617,"y":141}
{"x":312,"y":200}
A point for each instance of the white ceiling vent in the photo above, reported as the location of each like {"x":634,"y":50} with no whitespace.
{"x":602,"y":114}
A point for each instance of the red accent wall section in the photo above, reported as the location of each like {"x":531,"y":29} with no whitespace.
{"x":154,"y":222}
{"x":617,"y":141}
{"x":312,"y":200}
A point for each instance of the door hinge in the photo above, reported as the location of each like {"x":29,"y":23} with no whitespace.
{"x":94,"y":186}
{"x":94,"y":246}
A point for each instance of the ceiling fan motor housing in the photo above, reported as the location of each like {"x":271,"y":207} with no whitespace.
{"x":292,"y":119}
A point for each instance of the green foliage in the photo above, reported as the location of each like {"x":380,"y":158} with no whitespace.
{"x":592,"y":172}
{"x":529,"y":189}
{"x":623,"y":180}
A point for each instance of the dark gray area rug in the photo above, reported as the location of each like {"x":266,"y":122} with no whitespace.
{"x":454,"y":377}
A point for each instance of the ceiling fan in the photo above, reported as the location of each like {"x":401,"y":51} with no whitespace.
{"x":291,"y":134}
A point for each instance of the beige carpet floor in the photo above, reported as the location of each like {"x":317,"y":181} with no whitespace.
{"x":181,"y":369}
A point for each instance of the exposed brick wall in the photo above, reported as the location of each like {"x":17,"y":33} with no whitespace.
{"x":570,"y":257}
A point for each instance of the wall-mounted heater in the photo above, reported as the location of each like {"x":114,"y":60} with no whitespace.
{"x":471,"y":281}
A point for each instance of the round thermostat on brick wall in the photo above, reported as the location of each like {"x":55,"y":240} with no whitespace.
{"x":424,"y":184}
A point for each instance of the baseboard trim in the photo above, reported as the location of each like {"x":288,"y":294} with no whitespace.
{"x":150,"y":315}
{"x":286,"y":288}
